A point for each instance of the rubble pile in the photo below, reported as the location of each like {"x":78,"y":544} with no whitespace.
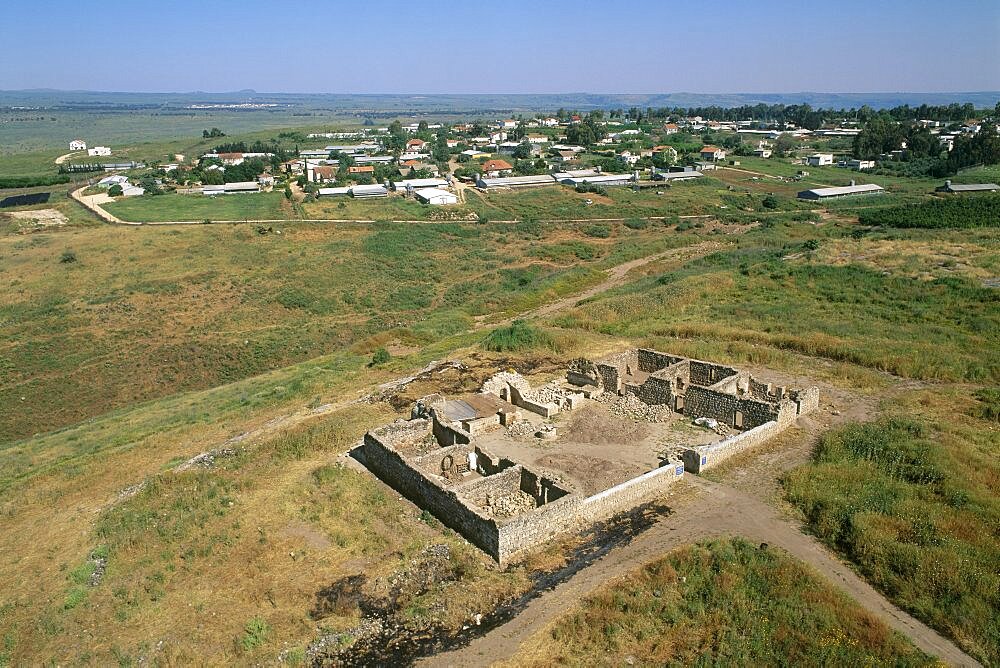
{"x":206,"y":460}
{"x":549,"y":394}
{"x":520,"y":429}
{"x":634,"y":408}
{"x":509,"y":505}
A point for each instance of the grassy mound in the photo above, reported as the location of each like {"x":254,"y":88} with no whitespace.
{"x":723,"y":602}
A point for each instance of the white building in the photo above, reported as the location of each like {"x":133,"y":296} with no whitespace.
{"x":99,"y":150}
{"x":819,"y":159}
{"x":435,"y":196}
{"x":860,"y":164}
{"x":129,"y":190}
{"x":78,"y":145}
{"x":628,"y":157}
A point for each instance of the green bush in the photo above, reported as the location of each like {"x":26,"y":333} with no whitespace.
{"x":67,"y":257}
{"x":988,"y":407}
{"x":519,"y":335}
{"x":32,"y":181}
{"x":255,"y":634}
{"x":636,"y":223}
{"x":598,"y":231}
{"x":381,"y":356}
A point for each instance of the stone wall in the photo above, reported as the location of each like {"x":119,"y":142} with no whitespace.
{"x":532,"y":529}
{"x":448,"y":434}
{"x":431,"y":495}
{"x":583,"y":372}
{"x":704,"y":402}
{"x":706,"y":373}
{"x":654,"y":391}
{"x":649,"y":361}
{"x":500,"y":485}
{"x":765,"y":391}
{"x":704,"y":457}
{"x":806,"y":399}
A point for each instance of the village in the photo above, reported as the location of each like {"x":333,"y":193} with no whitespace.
{"x":437,"y":164}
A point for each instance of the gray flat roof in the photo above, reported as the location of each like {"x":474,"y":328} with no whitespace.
{"x":970,"y":187}
{"x":508,"y":181}
{"x":862,"y":189}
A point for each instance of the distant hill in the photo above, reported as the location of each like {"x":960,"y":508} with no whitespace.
{"x":96,"y":100}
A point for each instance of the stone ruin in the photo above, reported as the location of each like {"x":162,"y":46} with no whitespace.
{"x":438,"y":459}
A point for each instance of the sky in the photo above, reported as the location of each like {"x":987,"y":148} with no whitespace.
{"x":503,"y":46}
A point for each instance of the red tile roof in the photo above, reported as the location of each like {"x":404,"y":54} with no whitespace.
{"x":496,"y":165}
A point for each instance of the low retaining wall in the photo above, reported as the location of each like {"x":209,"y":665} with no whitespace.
{"x":705,"y":457}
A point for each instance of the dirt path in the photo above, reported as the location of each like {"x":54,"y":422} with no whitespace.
{"x":713,"y":510}
{"x":66,"y":156}
{"x":617,"y":276}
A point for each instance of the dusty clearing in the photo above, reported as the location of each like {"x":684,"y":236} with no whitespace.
{"x":38,"y":218}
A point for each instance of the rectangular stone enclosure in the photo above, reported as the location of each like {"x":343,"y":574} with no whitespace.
{"x":439,"y":461}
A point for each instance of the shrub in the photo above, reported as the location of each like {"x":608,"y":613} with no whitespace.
{"x":254,"y":634}
{"x":293,"y":298}
{"x":988,"y":407}
{"x":67,"y":257}
{"x":115,"y":190}
{"x":770,"y":202}
{"x":636,"y":223}
{"x":381,"y":356}
{"x":598,"y":231}
{"x":519,"y":335}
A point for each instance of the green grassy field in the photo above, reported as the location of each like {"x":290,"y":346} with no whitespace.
{"x":196,"y":207}
{"x":724,"y":602}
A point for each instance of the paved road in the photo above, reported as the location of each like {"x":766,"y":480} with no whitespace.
{"x":712,"y":510}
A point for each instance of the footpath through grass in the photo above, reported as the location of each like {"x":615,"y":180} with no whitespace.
{"x":723,"y":602}
{"x":914,"y":500}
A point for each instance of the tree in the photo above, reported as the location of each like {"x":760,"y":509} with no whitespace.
{"x":880,"y":135}
{"x":115,"y":190}
{"x":214,"y":132}
{"x":523,"y":151}
{"x":783,"y":145}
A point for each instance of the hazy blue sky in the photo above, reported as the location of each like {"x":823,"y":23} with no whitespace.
{"x":503,"y":46}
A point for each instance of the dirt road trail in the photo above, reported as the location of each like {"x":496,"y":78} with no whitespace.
{"x":712,"y":510}
{"x":618,"y":275}
{"x":66,"y":156}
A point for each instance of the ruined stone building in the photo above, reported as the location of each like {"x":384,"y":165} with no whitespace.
{"x":441,"y":461}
